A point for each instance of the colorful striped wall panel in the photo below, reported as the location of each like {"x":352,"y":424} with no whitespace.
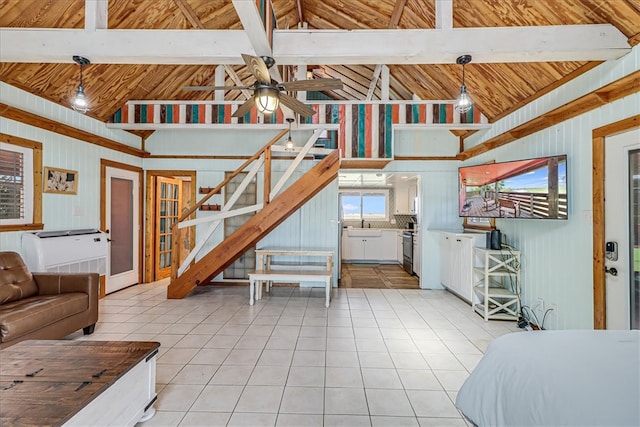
{"x":365,"y":130}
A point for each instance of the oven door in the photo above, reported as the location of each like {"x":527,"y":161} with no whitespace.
{"x":407,"y":252}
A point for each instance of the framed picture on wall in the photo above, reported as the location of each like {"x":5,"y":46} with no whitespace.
{"x":61,"y":181}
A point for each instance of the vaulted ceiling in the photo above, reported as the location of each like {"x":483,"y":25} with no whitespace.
{"x":421,"y":64}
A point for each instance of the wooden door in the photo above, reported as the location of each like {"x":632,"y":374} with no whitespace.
{"x":168,"y":203}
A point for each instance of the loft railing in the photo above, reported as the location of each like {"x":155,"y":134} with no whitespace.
{"x":261,"y":159}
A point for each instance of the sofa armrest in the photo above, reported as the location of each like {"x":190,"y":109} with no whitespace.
{"x":60,"y":283}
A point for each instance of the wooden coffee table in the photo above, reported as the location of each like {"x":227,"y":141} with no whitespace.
{"x":50,"y":382}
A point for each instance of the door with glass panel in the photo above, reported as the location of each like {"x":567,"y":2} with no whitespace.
{"x":622,"y":230}
{"x":168,"y":202}
{"x":122,"y":192}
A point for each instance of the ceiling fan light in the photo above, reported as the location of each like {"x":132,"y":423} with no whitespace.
{"x":463,"y":101}
{"x":267,"y":99}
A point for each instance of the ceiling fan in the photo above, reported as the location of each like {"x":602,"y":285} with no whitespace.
{"x":267,"y":93}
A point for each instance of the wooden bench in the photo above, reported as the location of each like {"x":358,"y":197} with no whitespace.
{"x":257,"y":277}
{"x":509,"y":206}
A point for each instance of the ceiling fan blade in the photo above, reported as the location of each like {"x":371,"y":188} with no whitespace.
{"x":196,"y":88}
{"x":244,"y":108}
{"x":314,"y":84}
{"x":258,"y":68}
{"x":296,"y":106}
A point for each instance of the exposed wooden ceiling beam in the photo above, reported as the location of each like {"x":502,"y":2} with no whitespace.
{"x":300,"y":11}
{"x":249,"y":15}
{"x":444,"y":14}
{"x":486,"y":45}
{"x":393,"y":23}
{"x":51,"y":125}
{"x":124,"y":46}
{"x":189,"y":13}
{"x":96,"y":14}
{"x":234,"y":76}
{"x":192,"y":17}
{"x":290,"y":47}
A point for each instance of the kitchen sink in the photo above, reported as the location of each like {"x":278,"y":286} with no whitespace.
{"x":364,"y":232}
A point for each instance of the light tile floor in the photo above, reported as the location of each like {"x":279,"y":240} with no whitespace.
{"x":376,"y":357}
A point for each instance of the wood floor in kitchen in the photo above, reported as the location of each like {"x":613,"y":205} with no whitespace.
{"x":377,"y":276}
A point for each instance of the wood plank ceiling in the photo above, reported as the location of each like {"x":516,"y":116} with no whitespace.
{"x":497,"y":88}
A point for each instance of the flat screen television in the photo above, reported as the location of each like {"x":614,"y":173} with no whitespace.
{"x":531,"y":188}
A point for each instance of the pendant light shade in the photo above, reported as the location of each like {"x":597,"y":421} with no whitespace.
{"x":267,"y":99}
{"x":289,"y":145}
{"x":79,"y":101}
{"x":463,"y":101}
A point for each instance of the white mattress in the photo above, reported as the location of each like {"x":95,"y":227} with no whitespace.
{"x":556,"y":378}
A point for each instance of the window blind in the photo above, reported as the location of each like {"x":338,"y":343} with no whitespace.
{"x":11,"y":184}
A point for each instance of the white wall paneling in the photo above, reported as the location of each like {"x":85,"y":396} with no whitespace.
{"x":60,"y":211}
{"x":556,"y":254}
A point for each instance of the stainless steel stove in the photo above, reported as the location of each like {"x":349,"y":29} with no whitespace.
{"x":407,"y":251}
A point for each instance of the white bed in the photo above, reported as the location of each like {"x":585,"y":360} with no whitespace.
{"x":556,"y":378}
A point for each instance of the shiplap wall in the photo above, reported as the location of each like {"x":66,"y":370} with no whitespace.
{"x":557,"y":255}
{"x":424,"y":142}
{"x":60,"y":211}
{"x":315,"y":225}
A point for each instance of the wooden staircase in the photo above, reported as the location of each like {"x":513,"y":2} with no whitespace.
{"x":269,"y":217}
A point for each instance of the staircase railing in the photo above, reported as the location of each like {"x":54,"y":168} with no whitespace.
{"x":262,"y":158}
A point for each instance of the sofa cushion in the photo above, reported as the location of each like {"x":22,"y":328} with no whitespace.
{"x":16,"y":281}
{"x":26,"y":315}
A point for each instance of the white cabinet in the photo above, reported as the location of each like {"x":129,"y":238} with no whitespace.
{"x":402,"y":199}
{"x":412,"y":192}
{"x":352,"y":247}
{"x":405,"y":195}
{"x":388,"y":246}
{"x":380,"y":247}
{"x":497,"y":289}
{"x":399,"y":249}
{"x":456,"y":261}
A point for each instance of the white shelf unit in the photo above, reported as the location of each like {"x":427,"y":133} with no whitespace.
{"x":497,"y":283}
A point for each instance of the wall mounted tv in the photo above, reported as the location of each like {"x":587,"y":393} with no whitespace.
{"x":531,"y":188}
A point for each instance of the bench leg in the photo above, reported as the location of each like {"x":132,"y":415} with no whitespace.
{"x":251,"y":289}
{"x":327,"y":292}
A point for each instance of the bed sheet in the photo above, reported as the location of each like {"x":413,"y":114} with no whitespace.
{"x":556,"y":378}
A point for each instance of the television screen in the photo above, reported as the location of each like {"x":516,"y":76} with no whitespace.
{"x":532,"y":188}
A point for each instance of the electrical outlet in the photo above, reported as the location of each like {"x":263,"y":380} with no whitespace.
{"x":540,"y":305}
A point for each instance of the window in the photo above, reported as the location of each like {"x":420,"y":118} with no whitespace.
{"x":370,"y":205}
{"x":20,"y":184}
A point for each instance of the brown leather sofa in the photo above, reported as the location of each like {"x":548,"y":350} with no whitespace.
{"x":44,"y":305}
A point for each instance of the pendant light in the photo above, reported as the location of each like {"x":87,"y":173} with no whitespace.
{"x":79,"y":100}
{"x":289,"y":145}
{"x":463,"y":101}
